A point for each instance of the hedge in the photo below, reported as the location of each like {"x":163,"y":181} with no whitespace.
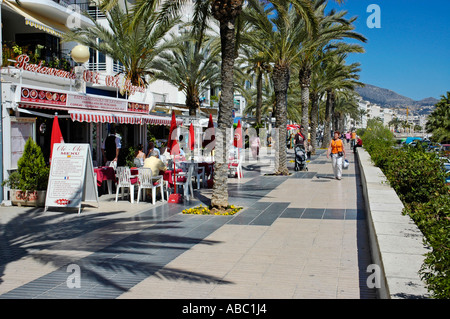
{"x":418,"y":178}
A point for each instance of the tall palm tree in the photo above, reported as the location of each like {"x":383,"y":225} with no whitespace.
{"x":225,"y":12}
{"x":190,"y":68}
{"x":134,"y":46}
{"x":254,"y":62}
{"x":339,"y":76}
{"x":279,"y":25}
{"x":439,"y":120}
{"x":331,"y":27}
{"x":345,"y":104}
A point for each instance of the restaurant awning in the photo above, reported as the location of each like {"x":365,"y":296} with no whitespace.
{"x":37,"y":21}
{"x":94,"y":116}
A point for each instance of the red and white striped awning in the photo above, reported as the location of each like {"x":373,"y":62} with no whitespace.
{"x":159,"y":120}
{"x":83,"y":115}
{"x":88,"y":116}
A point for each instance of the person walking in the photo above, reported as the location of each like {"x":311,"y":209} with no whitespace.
{"x":111,"y":147}
{"x":348,"y":135}
{"x":255,"y":145}
{"x":353,"y":139}
{"x":337,"y":151}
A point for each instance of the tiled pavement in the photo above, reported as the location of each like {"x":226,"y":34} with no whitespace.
{"x":302,"y":236}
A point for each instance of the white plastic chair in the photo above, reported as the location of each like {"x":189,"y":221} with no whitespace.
{"x":112,"y":164}
{"x":235,"y":166}
{"x":186,"y":181}
{"x":148,"y":181}
{"x":124,"y":181}
{"x":198,"y":172}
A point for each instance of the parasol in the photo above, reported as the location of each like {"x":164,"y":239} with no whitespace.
{"x":56,"y":135}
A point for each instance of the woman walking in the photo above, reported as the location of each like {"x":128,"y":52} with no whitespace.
{"x":337,"y":151}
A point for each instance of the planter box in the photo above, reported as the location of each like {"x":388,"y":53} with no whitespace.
{"x":28,"y":198}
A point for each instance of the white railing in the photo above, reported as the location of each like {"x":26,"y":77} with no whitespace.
{"x":96,"y":66}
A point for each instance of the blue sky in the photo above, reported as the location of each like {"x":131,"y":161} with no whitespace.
{"x":410,"y":53}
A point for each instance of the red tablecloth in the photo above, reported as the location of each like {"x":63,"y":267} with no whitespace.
{"x":209,"y":167}
{"x":104,"y":173}
{"x":168,"y":176}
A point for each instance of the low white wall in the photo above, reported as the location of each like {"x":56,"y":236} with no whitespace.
{"x":396,"y":242}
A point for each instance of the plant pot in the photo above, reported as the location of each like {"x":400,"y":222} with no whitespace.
{"x":28,"y":198}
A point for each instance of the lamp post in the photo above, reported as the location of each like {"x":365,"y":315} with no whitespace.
{"x":80,"y":54}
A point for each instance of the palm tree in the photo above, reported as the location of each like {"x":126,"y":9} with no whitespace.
{"x":134,"y":46}
{"x":331,"y":27}
{"x":346,"y":104}
{"x":279,"y":24}
{"x":190,"y":68}
{"x":254,"y":62}
{"x":339,"y":76}
{"x":439,"y":120}
{"x":225,"y":12}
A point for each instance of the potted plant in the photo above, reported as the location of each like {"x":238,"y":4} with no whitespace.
{"x":29,"y":183}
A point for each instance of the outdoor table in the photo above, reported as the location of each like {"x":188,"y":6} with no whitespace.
{"x":168,"y":175}
{"x":209,"y":167}
{"x":105,"y":173}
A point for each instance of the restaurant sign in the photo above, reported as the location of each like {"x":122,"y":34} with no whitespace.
{"x":114,"y":81}
{"x":73,"y":100}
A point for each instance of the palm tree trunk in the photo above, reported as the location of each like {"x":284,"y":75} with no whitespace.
{"x":258,"y":97}
{"x":305,"y":82}
{"x":192,"y":102}
{"x":280,"y":82}
{"x":314,"y":121}
{"x":226,"y":14}
{"x":327,"y":126}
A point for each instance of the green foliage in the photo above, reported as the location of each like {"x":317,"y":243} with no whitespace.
{"x":418,"y":178}
{"x":433,"y":218}
{"x":377,"y":136}
{"x":32,"y":172}
{"x":439,"y":121}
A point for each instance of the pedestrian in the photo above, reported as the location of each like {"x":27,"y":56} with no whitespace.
{"x":155,"y":164}
{"x":139,"y":156}
{"x":353,"y":139}
{"x":111,"y":147}
{"x":300,"y":139}
{"x":254,"y":145}
{"x":337,"y":151}
{"x":151,"y":148}
{"x":359,"y":143}
{"x":348,"y":136}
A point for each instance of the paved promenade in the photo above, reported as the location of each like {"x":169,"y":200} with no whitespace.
{"x":302,"y":236}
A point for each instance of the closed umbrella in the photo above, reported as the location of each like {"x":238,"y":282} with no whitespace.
{"x":238,"y":136}
{"x":174,"y":149}
{"x":56,"y":135}
{"x":191,"y":137}
{"x":209,"y":140}
{"x":172,"y":142}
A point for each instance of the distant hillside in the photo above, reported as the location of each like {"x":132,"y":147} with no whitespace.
{"x":388,"y":98}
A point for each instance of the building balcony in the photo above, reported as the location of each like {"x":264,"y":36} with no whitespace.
{"x":65,"y":12}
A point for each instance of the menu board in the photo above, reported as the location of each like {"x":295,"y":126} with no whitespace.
{"x":71,"y":180}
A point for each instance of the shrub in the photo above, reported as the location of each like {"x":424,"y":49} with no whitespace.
{"x":32,"y":172}
{"x":418,"y":178}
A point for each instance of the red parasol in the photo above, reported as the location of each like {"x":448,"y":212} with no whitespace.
{"x":174,"y":149}
{"x":210,"y":137}
{"x":191,"y":137}
{"x":172,"y":142}
{"x":238,"y":135}
{"x":56,"y":135}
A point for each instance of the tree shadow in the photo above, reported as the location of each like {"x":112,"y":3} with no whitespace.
{"x":118,"y":251}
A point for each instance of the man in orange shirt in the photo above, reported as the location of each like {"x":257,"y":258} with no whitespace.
{"x":353,"y":141}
